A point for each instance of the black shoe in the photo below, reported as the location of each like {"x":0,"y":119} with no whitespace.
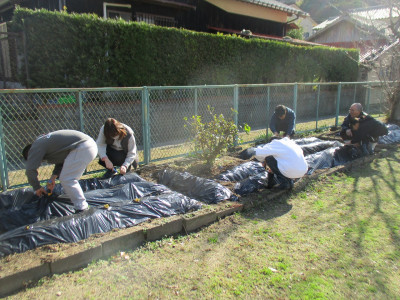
{"x":286,"y":185}
{"x":110,"y":173}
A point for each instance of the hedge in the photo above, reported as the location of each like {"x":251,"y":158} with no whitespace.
{"x":83,"y":50}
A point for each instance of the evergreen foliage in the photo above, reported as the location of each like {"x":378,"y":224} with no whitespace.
{"x":83,"y":50}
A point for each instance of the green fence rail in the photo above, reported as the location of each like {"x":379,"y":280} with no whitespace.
{"x":156,"y":114}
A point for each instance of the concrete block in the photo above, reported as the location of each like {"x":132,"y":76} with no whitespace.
{"x":229,"y":209}
{"x":200,"y":218}
{"x":13,"y":282}
{"x":76,"y":261}
{"x":128,"y":239}
{"x":172,"y":225}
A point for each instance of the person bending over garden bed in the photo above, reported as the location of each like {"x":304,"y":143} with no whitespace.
{"x":284,"y":158}
{"x":117,"y":147}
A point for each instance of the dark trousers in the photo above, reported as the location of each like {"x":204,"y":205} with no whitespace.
{"x":273,"y":165}
{"x":117,"y":157}
{"x":344,"y":135}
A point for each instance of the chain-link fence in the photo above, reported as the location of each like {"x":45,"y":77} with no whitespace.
{"x":156,"y":114}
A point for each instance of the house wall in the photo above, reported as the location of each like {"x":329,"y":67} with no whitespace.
{"x":247,"y":9}
{"x":343,"y":32}
{"x":307,"y":24}
{"x":208,"y":15}
{"x":386,"y":67}
{"x":196,"y":15}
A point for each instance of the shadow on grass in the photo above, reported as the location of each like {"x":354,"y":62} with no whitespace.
{"x":384,"y":180}
{"x":266,"y":208}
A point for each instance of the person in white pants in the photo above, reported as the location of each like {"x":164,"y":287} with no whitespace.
{"x":71,"y":151}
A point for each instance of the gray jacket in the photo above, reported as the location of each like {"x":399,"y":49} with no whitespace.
{"x":53,"y":148}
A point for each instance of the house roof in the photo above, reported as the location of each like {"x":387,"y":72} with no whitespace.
{"x":376,"y":12}
{"x":278,"y":6}
{"x":374,"y":54}
{"x":266,"y":37}
{"x":375,"y":17}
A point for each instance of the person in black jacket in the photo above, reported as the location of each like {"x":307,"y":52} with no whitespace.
{"x":361,"y":130}
{"x":284,"y":120}
{"x":355,"y":112}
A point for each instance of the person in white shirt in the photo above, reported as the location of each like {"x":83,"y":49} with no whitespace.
{"x":284,"y":158}
{"x":116,"y":147}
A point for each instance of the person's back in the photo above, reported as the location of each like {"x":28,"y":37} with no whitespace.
{"x":370,"y":128}
{"x":289,"y":157}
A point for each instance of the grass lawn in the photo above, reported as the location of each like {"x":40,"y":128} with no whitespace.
{"x":339,"y":238}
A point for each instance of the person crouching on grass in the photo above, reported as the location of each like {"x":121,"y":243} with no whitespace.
{"x":284,"y":158}
{"x":117,"y":147}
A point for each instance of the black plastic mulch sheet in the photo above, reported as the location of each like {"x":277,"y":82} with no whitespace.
{"x":393,"y":135}
{"x":128,"y":204}
{"x":308,"y":145}
{"x":15,"y":199}
{"x":20,"y":207}
{"x":202,"y":189}
{"x":250,"y":177}
{"x":242,"y":171}
{"x":314,"y":145}
{"x":319,"y":154}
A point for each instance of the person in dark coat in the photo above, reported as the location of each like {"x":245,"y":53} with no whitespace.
{"x":283,"y":120}
{"x":361,"y":130}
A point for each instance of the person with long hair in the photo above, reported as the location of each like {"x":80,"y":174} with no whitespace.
{"x":117,"y":147}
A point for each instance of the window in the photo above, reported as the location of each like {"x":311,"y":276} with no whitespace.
{"x":155,"y":19}
{"x":116,"y":11}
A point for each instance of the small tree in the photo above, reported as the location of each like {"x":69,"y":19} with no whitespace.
{"x":296,"y":34}
{"x":388,"y":67}
{"x":213,"y":138}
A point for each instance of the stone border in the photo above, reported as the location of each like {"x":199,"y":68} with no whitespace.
{"x":125,"y":240}
{"x":133,"y":237}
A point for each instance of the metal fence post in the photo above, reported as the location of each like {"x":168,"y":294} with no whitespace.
{"x":236,"y":109}
{"x":368,"y":96}
{"x":339,"y":91}
{"x":81,"y":120}
{"x":3,"y":160}
{"x":318,"y":95}
{"x":145,"y":125}
{"x":355,"y":93}
{"x":295,"y":95}
{"x":236,"y":103}
{"x":267,"y":117}
{"x":196,"y":102}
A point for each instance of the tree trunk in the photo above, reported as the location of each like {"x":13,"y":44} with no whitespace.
{"x":395,"y":106}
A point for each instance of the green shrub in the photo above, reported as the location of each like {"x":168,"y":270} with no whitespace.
{"x":296,"y":33}
{"x":213,"y":138}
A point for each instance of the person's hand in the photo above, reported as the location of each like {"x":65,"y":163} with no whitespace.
{"x":40,"y":192}
{"x":109,"y":164}
{"x":51,"y":183}
{"x":122,"y":170}
{"x":348,"y":132}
